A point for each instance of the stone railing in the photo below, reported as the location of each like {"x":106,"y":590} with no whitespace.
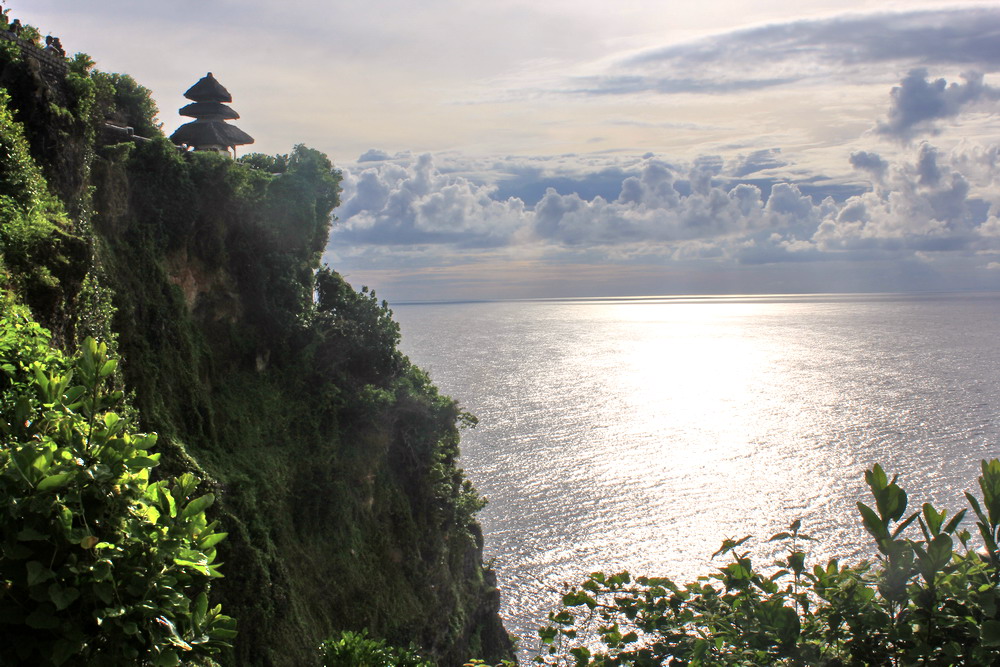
{"x":50,"y":63}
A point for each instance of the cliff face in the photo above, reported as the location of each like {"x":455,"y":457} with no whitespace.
{"x":335,"y":459}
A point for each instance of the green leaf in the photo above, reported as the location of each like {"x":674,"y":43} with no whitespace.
{"x":933,"y":518}
{"x":140,"y":462}
{"x":108,"y":368}
{"x":873,"y":523}
{"x":64,"y":649}
{"x":66,"y":520}
{"x":37,"y":573}
{"x":165,"y":500}
{"x":167,"y":659}
{"x":40,"y":619}
{"x":990,"y":633}
{"x":104,"y":590}
{"x":209,"y":541}
{"x":940,"y":550}
{"x":223,"y":634}
{"x":22,"y":410}
{"x":29,"y":534}
{"x":62,"y":597}
{"x":953,"y":524}
{"x":101,"y":569}
{"x":73,"y":394}
{"x":198,"y":505}
{"x":54,"y":481}
{"x":876,"y":478}
{"x":903,"y":526}
{"x":796,"y":561}
{"x":200,"y":609}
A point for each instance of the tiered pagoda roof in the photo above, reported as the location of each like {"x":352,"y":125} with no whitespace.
{"x":209,"y":130}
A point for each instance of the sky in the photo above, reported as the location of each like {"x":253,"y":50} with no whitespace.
{"x":516,"y":149}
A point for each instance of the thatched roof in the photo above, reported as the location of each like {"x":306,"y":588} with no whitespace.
{"x":208,"y":90}
{"x":210,"y":133}
{"x":209,"y":110}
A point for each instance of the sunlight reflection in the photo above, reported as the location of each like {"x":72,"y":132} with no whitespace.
{"x":638,"y":433}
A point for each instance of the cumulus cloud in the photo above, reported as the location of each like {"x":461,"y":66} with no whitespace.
{"x":931,"y":203}
{"x":923,"y":205}
{"x":871,"y":163}
{"x":917,"y":102}
{"x":412,"y":204}
{"x":374,"y":155}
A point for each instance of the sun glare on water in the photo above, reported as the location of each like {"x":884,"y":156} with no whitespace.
{"x":639,"y":433}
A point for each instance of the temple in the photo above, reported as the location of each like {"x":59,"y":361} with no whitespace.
{"x":209,"y":130}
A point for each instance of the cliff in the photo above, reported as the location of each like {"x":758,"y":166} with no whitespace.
{"x":333,"y":458}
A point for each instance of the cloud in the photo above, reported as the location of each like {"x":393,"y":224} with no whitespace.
{"x":757,"y":161}
{"x":374,"y":155}
{"x":931,"y":203}
{"x":845,"y":48}
{"x":530,"y":183}
{"x":917,"y":102}
{"x":923,"y":205}
{"x":629,"y":84}
{"x":413,"y":204}
{"x":621,"y":210}
{"x":871,"y":163}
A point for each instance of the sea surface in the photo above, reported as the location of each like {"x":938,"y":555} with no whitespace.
{"x":638,"y":433}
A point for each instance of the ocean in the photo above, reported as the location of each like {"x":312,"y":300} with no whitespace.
{"x":638,"y":433}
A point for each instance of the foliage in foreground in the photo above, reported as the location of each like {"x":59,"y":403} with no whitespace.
{"x":930,"y":599}
{"x":357,"y":649}
{"x":98,"y":565}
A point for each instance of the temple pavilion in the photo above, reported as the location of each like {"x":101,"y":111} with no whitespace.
{"x":209,"y":130}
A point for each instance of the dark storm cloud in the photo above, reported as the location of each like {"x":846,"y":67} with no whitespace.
{"x":760,"y":57}
{"x":917,"y":102}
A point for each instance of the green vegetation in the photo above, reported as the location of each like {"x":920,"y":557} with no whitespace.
{"x":931,"y":599}
{"x":356,"y":649}
{"x":329,"y":461}
{"x":326,"y":456}
{"x":36,"y":241}
{"x":97,"y":564}
{"x":124,"y":101}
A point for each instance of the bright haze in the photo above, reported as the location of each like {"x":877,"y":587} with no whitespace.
{"x":513,"y":149}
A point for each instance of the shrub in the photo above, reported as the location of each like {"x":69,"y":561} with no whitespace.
{"x":97,"y":563}
{"x":357,"y":334}
{"x":930,"y":600}
{"x":122,"y":99}
{"x":272,"y":164}
{"x":357,"y":649}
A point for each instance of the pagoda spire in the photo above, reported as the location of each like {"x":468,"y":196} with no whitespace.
{"x":209,"y":130}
